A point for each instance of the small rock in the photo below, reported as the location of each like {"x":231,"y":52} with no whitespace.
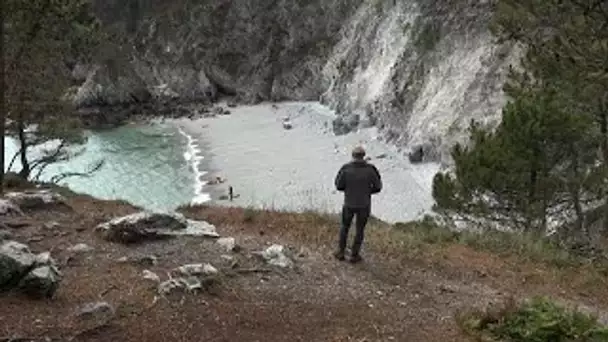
{"x":416,"y":155}
{"x":227,"y":258}
{"x":304,"y":252}
{"x":192,"y":283}
{"x":145,"y":260}
{"x":169,"y":286}
{"x":196,"y":269}
{"x":44,"y":259}
{"x":36,"y":238}
{"x":103,"y":309}
{"x":149,"y":275}
{"x":274,"y":255}
{"x":41,"y":282}
{"x":52,"y":225}
{"x":381,"y":156}
{"x":228,"y":243}
{"x":81,"y":248}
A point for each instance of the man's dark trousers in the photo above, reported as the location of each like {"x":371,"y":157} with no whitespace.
{"x":362,"y":215}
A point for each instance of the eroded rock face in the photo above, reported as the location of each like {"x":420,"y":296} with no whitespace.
{"x":111,"y":84}
{"x":421,"y":69}
{"x":143,"y":226}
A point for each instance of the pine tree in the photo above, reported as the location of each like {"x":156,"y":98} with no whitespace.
{"x":550,"y":152}
{"x":43,"y":38}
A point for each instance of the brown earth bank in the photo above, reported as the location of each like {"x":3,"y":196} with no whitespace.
{"x":409,"y":287}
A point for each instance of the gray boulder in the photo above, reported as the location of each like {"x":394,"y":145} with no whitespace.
{"x":143,"y":226}
{"x":35,"y":275}
{"x":345,"y":124}
{"x":96,"y":310}
{"x":418,"y":153}
{"x":42,"y":281}
{"x":15,"y":262}
{"x":35,"y":199}
{"x":80,"y":248}
{"x":229,"y":244}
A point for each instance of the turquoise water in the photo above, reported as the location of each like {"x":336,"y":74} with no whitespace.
{"x":144,"y":165}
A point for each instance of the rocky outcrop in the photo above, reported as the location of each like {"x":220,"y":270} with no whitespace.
{"x":145,"y":226}
{"x":36,"y":199}
{"x":20,"y":269}
{"x":111,"y":84}
{"x":197,"y":50}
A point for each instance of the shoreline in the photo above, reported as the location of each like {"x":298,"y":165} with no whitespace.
{"x":194,"y":157}
{"x":293,"y":169}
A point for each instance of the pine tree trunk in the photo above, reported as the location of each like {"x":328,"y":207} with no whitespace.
{"x":2,"y":98}
{"x":604,"y":147}
{"x":25,"y":165}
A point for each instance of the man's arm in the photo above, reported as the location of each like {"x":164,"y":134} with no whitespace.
{"x":340,"y":181}
{"x":376,"y":180}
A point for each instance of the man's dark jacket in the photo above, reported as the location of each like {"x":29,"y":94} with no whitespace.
{"x":359,"y":180}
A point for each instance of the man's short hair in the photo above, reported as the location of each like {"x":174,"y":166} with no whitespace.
{"x":358,"y":152}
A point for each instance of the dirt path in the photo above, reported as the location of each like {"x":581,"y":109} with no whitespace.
{"x":320,"y":299}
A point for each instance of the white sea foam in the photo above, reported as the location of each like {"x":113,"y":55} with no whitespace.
{"x":193,"y":155}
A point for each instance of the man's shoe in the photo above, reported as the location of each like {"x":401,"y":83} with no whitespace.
{"x":356,"y":259}
{"x":339,"y":255}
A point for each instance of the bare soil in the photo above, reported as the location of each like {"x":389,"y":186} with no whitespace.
{"x":392,"y":296}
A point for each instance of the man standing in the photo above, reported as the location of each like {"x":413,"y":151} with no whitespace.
{"x":358,"y":180}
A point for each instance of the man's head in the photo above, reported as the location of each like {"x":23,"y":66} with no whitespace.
{"x":358,"y":153}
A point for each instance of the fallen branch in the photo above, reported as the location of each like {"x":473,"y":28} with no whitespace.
{"x":253,"y":270}
{"x":58,"y":178}
{"x":106,"y":291}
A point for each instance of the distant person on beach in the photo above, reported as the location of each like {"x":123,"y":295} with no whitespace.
{"x":358,"y":179}
{"x":231,"y":193}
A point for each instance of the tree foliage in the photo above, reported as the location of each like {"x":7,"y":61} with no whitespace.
{"x":549,"y":155}
{"x":43,"y":40}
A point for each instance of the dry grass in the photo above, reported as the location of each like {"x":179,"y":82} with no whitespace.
{"x":501,"y":259}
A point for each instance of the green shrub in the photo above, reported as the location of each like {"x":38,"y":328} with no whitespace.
{"x":539,"y":320}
